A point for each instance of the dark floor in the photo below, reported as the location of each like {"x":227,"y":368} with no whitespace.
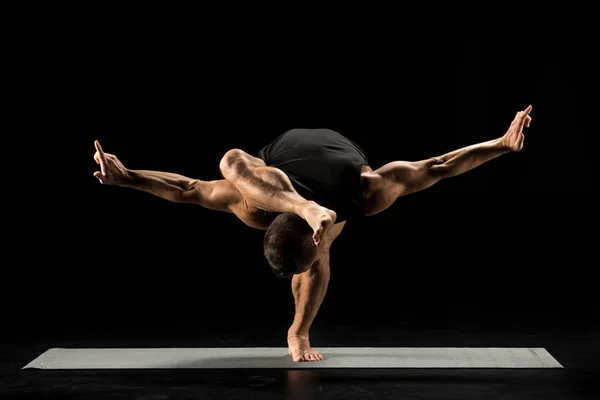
{"x":576,"y":348}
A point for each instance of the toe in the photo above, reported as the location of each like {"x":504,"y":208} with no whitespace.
{"x":296,"y":356}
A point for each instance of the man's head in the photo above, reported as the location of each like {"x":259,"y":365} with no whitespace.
{"x":289,"y":246}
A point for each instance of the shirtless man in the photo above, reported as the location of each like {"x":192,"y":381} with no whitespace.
{"x":302,"y":189}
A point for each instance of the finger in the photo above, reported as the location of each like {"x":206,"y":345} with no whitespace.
{"x":97,"y":157}
{"x":297,"y":356}
{"x":527,"y":121}
{"x":102,"y":166}
{"x":100,"y":151}
{"x":98,"y":147}
{"x":522,"y":120}
{"x":98,"y":175}
{"x":102,"y":157}
{"x":523,"y":114}
{"x":518,"y":121}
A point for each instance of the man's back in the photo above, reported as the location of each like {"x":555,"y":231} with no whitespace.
{"x":323,"y":166}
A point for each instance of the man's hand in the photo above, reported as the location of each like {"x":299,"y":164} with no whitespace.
{"x":514,"y":137}
{"x":112,"y":171}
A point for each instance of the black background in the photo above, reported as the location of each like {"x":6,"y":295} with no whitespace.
{"x":508,"y":243}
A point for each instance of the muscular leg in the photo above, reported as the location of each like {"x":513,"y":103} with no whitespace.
{"x":270,"y":189}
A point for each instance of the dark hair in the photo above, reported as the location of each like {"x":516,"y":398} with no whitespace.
{"x":288,"y":245}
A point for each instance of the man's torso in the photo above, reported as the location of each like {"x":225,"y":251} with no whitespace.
{"x":323,"y":166}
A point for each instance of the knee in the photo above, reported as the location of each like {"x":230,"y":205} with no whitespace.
{"x":231,"y":162}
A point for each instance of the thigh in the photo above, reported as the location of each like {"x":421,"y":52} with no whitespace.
{"x":238,"y":167}
{"x":238,"y":159}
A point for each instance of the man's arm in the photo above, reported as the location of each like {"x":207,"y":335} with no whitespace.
{"x":309,"y":290}
{"x":419,"y":175}
{"x":218,"y":195}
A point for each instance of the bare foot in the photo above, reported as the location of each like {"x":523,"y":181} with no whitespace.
{"x":320,"y":220}
{"x":300,"y":351}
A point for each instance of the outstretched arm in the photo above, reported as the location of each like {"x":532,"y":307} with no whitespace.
{"x":218,"y":195}
{"x":411,"y":177}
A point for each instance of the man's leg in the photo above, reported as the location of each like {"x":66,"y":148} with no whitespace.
{"x":270,"y":189}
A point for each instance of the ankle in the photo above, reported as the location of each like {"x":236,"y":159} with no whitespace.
{"x":302,"y":208}
{"x":297,"y":333}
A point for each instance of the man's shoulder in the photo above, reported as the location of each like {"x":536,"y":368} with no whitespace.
{"x":251,"y":215}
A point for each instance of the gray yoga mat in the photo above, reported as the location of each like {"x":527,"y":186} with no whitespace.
{"x":272,"y":357}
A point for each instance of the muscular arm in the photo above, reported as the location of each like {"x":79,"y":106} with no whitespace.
{"x":411,"y":177}
{"x":419,"y":175}
{"x":166,"y":185}
{"x":309,"y":290}
{"x":465,"y":159}
{"x":215,"y":195}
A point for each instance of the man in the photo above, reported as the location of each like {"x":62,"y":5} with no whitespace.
{"x":302,"y":189}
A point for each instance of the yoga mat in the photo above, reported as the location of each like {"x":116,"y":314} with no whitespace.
{"x":273,"y":357}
